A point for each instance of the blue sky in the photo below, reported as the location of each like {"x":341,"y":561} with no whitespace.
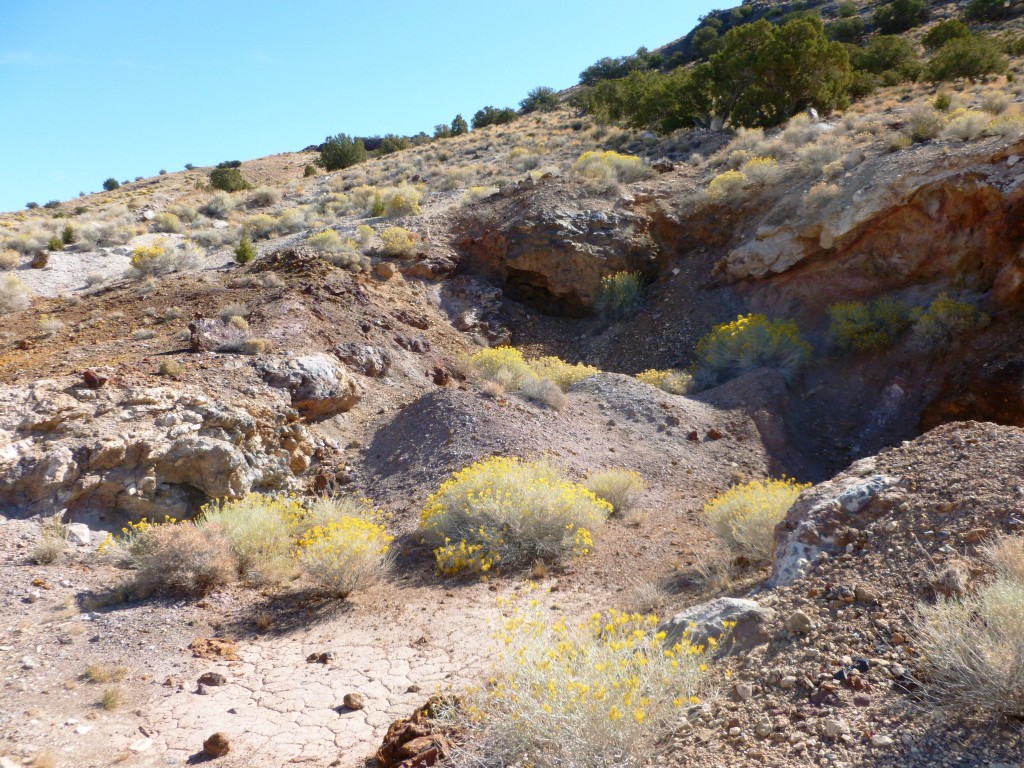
{"x":109,"y":88}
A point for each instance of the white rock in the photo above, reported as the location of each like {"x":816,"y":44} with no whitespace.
{"x":141,"y":745}
{"x":79,"y":534}
{"x":836,"y":728}
{"x":83,"y":729}
{"x":881,"y":740}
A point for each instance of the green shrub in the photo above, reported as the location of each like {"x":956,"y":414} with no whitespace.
{"x":228,"y":180}
{"x":992,"y":10}
{"x":309,"y":170}
{"x":328,"y":241}
{"x":55,"y":243}
{"x":891,"y":57}
{"x":540,"y":99}
{"x":257,"y":528}
{"x":244,"y":251}
{"x":747,"y":343}
{"x":260,"y":226}
{"x":970,"y":57}
{"x":943,"y":32}
{"x":341,"y":151}
{"x":619,"y":293}
{"x":862,"y":326}
{"x":612,"y":69}
{"x":494,"y":116}
{"x":848,"y":30}
{"x":53,"y":539}
{"x":392,"y":143}
{"x":31,"y":206}
{"x":167,"y":222}
{"x":230,"y":164}
{"x":111,"y":184}
{"x":459,"y":126}
{"x":504,"y":513}
{"x":944,"y":321}
{"x":943,"y":101}
{"x":900,"y":15}
{"x":218,"y":207}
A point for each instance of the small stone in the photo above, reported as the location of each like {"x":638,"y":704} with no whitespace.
{"x":763,"y":729}
{"x":881,"y":740}
{"x":354,"y":701}
{"x":836,"y":728}
{"x":202,"y":689}
{"x":865,"y":594}
{"x":799,"y":623}
{"x":27,"y":662}
{"x":861,"y":700}
{"x":734,"y":732}
{"x":141,"y":745}
{"x":213,"y":679}
{"x":744,"y":691}
{"x":384,"y":270}
{"x":217,"y":745}
{"x":788,"y":682}
{"x":413,"y":689}
{"x":83,"y":729}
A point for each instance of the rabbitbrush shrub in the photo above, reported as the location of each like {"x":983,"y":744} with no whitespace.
{"x":619,"y":487}
{"x":560,"y":372}
{"x":14,"y":294}
{"x":346,"y":548}
{"x":619,"y":292}
{"x":745,"y":516}
{"x":258,"y":528}
{"x":945,"y":321}
{"x":669,"y":380}
{"x":504,"y":513}
{"x":747,"y":343}
{"x":625,"y":168}
{"x":603,"y":692}
{"x":972,"y":649}
{"x":860,"y":326}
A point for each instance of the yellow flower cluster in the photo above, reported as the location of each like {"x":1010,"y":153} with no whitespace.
{"x":604,"y":685}
{"x":562,"y":373}
{"x":726,"y":184}
{"x":507,"y":366}
{"x":503,"y":511}
{"x":749,"y":342}
{"x":745,"y":516}
{"x":145,"y":253}
{"x":131,"y":534}
{"x":668,"y":380}
{"x":344,"y":553}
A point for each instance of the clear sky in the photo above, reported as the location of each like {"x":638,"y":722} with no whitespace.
{"x":106,"y":88}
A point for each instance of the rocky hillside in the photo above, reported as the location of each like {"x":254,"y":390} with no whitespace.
{"x":396,"y":322}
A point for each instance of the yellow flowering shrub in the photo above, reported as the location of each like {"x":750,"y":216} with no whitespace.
{"x":619,"y":292}
{"x":328,"y":241}
{"x":619,"y":487}
{"x":345,"y":554}
{"x":746,"y":343}
{"x":399,"y":242}
{"x":668,"y":380}
{"x":598,"y":693}
{"x":504,"y":512}
{"x":625,"y":168}
{"x":761,"y":170}
{"x":145,"y":254}
{"x":726,"y":185}
{"x":505,"y":365}
{"x":745,"y":516}
{"x":944,"y":321}
{"x":562,"y":373}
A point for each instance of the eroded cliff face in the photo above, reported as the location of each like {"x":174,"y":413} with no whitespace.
{"x":925,"y":222}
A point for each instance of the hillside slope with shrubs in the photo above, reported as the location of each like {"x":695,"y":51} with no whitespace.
{"x":671,"y":419}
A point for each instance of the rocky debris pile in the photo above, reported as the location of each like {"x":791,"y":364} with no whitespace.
{"x":417,"y":741}
{"x":140,"y":451}
{"x":834,"y":682}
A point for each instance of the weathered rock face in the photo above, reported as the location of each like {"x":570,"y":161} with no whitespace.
{"x":551,"y":252}
{"x":958,"y":226}
{"x":319,"y":388}
{"x":209,"y":334}
{"x":138,"y":451}
{"x":367,"y":359}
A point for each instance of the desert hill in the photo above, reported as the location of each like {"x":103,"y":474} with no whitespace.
{"x":812,"y":325}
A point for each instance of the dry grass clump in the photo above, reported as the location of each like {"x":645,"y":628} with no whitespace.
{"x":619,"y":487}
{"x":9,"y":260}
{"x":612,"y":166}
{"x":102,"y":674}
{"x":669,"y":380}
{"x":924,"y":124}
{"x":821,"y":194}
{"x":944,"y":321}
{"x":745,"y":516}
{"x":600,"y":693}
{"x":264,"y":197}
{"x":761,"y":171}
{"x":14,"y":294}
{"x":966,"y":125}
{"x":166,"y":221}
{"x":504,"y":365}
{"x":972,"y":659}
{"x":219,"y":206}
{"x":53,"y":537}
{"x":110,"y":699}
{"x":476,"y":194}
{"x":544,"y":391}
{"x":503,"y":512}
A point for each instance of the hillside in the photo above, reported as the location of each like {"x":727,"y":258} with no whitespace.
{"x":819,"y":319}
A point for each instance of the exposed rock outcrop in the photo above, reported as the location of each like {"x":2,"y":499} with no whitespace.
{"x":139,"y":451}
{"x":319,"y":388}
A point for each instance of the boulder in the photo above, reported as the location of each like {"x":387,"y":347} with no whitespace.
{"x":367,"y":359}
{"x":319,"y":388}
{"x":211,"y":334}
{"x":707,"y":620}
